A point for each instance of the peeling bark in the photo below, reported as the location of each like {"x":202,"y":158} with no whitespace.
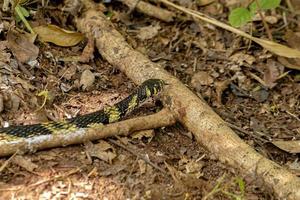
{"x":208,"y":128}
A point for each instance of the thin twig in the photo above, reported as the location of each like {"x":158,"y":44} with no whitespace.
{"x":55,"y":177}
{"x":7,"y":161}
{"x":127,"y":148}
{"x":245,"y":132}
{"x":293,"y":115}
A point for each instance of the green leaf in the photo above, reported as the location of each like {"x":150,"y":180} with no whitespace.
{"x":239,"y":17}
{"x":24,"y":11}
{"x":19,"y":12}
{"x":264,"y":5}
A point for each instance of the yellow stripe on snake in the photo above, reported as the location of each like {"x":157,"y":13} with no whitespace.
{"x":111,"y":114}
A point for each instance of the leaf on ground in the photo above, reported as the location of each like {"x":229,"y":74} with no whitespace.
{"x":193,"y":167}
{"x":88,"y":51}
{"x":148,"y":32}
{"x":273,"y":47}
{"x":201,"y":78}
{"x":221,"y":86}
{"x":24,"y":83}
{"x":102,"y":150}
{"x":86,"y":55}
{"x":292,"y":146}
{"x":293,"y":40}
{"x":22,"y":47}
{"x":58,"y":36}
{"x":25,"y":163}
{"x":144,"y":133}
{"x":277,"y":48}
{"x":272,"y":73}
{"x":292,"y":63}
{"x":142,"y":166}
{"x":113,"y":170}
{"x":242,"y":58}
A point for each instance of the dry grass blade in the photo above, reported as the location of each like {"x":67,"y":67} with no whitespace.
{"x":273,"y":47}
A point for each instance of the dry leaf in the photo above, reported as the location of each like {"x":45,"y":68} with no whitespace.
{"x":293,"y":40}
{"x":86,"y":55}
{"x":241,"y":57}
{"x":201,"y":78}
{"x":272,"y":73}
{"x":148,"y":32}
{"x":101,"y":150}
{"x":25,"y":83}
{"x":58,"y":36}
{"x":69,"y":72}
{"x":145,"y":133}
{"x":292,"y":146}
{"x":276,"y":48}
{"x":88,"y":51}
{"x":273,"y":47}
{"x":25,"y":163}
{"x":292,"y":63}
{"x":193,"y":167}
{"x":24,"y":50}
{"x":142,"y":166}
{"x":113,"y":170}
{"x":221,"y":86}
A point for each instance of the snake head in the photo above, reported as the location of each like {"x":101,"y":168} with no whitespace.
{"x":156,"y":84}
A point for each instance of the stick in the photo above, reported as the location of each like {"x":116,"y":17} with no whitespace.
{"x":139,"y":156}
{"x":208,"y":128}
{"x":160,"y":119}
{"x":150,"y":10}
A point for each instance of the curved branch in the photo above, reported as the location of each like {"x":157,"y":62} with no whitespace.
{"x":209,"y":129}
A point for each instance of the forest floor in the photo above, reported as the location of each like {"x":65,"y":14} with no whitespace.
{"x":237,"y":79}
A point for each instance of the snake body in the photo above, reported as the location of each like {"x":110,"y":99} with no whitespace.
{"x":110,"y":114}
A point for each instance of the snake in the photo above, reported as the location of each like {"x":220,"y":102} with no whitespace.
{"x":109,"y":114}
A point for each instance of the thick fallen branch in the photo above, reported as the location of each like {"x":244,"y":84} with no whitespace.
{"x":160,"y":119}
{"x":150,"y":10}
{"x":209,"y":129}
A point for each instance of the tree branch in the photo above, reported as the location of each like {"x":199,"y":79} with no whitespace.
{"x":209,"y":129}
{"x":126,"y":127}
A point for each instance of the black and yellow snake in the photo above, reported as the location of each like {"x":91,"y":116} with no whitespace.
{"x":147,"y":89}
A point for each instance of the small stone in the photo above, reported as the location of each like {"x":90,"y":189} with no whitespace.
{"x":87,"y":79}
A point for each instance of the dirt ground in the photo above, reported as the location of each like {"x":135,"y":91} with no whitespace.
{"x":234,"y":77}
